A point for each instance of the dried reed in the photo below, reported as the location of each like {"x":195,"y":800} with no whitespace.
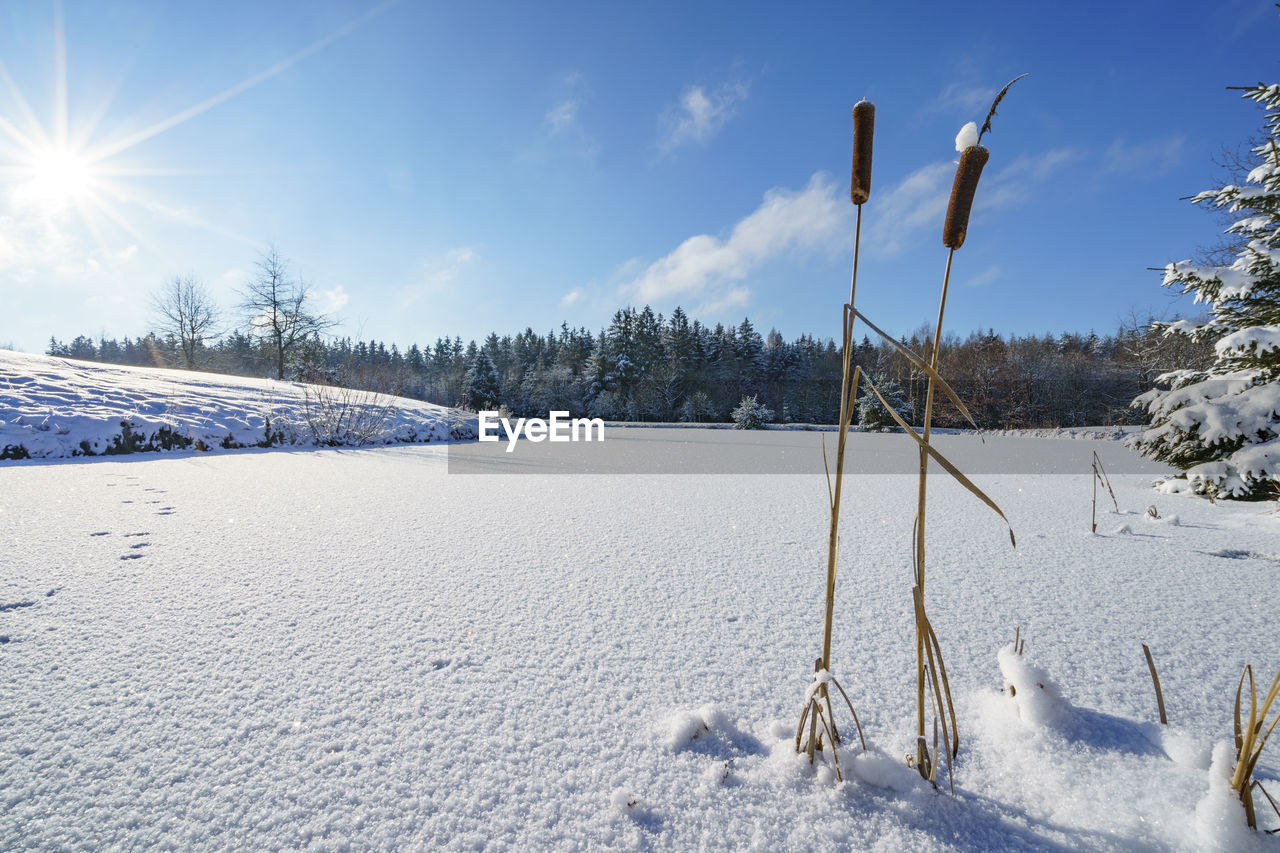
{"x":1250,"y":739}
{"x":1155,"y":679}
{"x":1100,"y":476}
{"x":929,"y":668}
{"x":822,"y":723}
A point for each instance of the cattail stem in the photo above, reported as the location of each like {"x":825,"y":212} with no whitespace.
{"x":846,"y":411}
{"x":920,"y":507}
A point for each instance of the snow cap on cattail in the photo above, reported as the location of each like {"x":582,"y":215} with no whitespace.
{"x":967,"y":137}
{"x":864,"y":123}
{"x":972,"y":159}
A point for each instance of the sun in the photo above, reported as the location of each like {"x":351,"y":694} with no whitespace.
{"x":58,"y":177}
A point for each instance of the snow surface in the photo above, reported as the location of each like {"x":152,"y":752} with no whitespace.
{"x":1263,"y":338}
{"x":355,"y":649}
{"x":58,"y":407}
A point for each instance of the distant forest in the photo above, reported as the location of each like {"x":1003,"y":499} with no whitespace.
{"x":647,"y":367}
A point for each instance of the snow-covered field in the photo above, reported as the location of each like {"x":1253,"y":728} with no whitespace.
{"x":60,"y":407}
{"x":332,"y":649}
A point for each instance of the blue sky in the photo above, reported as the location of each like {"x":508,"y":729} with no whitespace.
{"x":454,"y":168}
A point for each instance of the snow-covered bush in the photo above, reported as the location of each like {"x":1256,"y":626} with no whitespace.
{"x":873,"y":415}
{"x":1222,"y":425}
{"x":338,"y":416}
{"x":751,"y":414}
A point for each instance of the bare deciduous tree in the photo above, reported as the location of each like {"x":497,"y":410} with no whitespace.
{"x":279,"y":309}
{"x":185,"y":309}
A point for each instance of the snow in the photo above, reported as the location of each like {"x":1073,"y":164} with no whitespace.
{"x":368,"y":649}
{"x":58,"y":407}
{"x":1236,"y":280}
{"x":1263,"y":338}
{"x":202,"y":654}
{"x":1221,"y":409}
{"x":967,"y":137}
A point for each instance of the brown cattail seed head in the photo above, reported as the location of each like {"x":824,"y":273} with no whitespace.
{"x":864,"y":125}
{"x":966,"y":184}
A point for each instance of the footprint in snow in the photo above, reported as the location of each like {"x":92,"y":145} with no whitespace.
{"x":127,"y":535}
{"x":1239,"y":554}
{"x":132,"y":557}
{"x":101,"y":533}
{"x":4,"y":608}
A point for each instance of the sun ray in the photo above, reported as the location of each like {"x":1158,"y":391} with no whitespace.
{"x":133,"y":196}
{"x":125,"y":225}
{"x":31,"y":145}
{"x":60,"y":78}
{"x":112,"y":148}
{"x":85,"y":209}
{"x":55,"y":169}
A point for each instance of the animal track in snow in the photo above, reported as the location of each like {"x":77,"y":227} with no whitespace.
{"x":4,"y":608}
{"x":1240,"y":554}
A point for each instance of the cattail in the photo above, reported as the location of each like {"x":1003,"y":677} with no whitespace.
{"x":966,"y":184}
{"x":864,"y":125}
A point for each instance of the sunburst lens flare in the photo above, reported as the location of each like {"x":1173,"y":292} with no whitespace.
{"x":57,"y":178}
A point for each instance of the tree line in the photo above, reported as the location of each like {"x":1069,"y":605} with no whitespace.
{"x":645,"y":366}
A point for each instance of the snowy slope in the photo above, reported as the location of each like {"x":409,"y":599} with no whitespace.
{"x":337,"y":650}
{"x":58,"y":407}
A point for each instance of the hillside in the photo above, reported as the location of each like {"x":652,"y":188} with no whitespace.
{"x":58,"y":407}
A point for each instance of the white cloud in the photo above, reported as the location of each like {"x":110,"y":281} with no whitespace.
{"x":735,"y":297}
{"x":901,"y":212}
{"x":964,"y":99}
{"x":713,"y":269}
{"x":333,"y":300}
{"x":571,"y":297}
{"x":1013,"y":184}
{"x":563,"y":131}
{"x":699,"y":115}
{"x":1145,"y":159}
{"x":985,"y":277}
{"x":918,"y":202}
{"x":563,"y":117}
{"x":439,"y":273}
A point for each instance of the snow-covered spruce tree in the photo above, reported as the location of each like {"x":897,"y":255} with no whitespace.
{"x":1222,"y":425}
{"x":873,"y":415}
{"x":481,"y":383}
{"x":751,"y":414}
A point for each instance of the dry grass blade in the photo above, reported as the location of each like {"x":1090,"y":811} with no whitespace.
{"x":856,"y":722}
{"x":932,"y":639}
{"x":1155,"y":679}
{"x":1274,"y":807}
{"x":822,"y":722}
{"x":1101,"y":474}
{"x":986,"y":124}
{"x":943,"y":461}
{"x":940,"y":690}
{"x":1250,"y":739}
{"x":922,"y":365}
{"x":831,"y":497}
{"x":804,"y":715}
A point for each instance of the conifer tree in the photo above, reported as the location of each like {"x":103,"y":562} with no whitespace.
{"x":873,"y":415}
{"x":481,"y":383}
{"x":1221,"y":425}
